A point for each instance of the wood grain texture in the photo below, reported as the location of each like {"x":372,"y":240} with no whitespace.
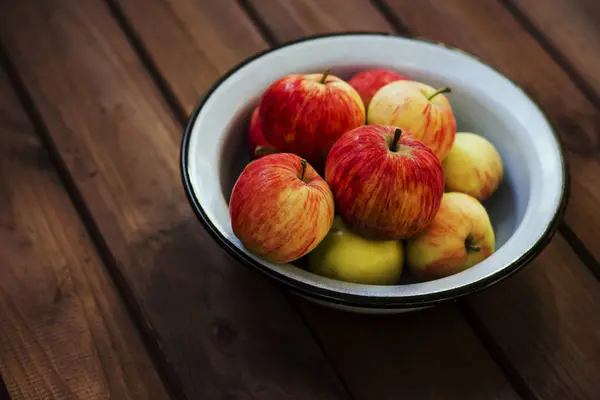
{"x":390,"y":349}
{"x":64,"y":333}
{"x":211,"y":37}
{"x":493,"y":34}
{"x":557,"y":282}
{"x":427,"y":354}
{"x":547,"y":322}
{"x":225,"y":332}
{"x":291,"y":19}
{"x":381,"y":348}
{"x":571,"y":26}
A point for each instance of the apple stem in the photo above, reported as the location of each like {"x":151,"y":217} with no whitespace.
{"x":264,"y":150}
{"x":439,"y":91}
{"x":471,"y":247}
{"x":397,"y":133}
{"x":303,"y":163}
{"x":325,"y":75}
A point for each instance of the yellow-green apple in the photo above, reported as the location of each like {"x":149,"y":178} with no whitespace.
{"x":305,"y":114}
{"x":280,"y":208}
{"x":460,"y":236}
{"x":418,"y":108}
{"x":346,"y":256}
{"x":387,"y":184}
{"x":257,"y":143}
{"x":369,"y":81}
{"x":473,"y":166}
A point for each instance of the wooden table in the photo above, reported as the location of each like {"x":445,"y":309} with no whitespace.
{"x":110,"y":288}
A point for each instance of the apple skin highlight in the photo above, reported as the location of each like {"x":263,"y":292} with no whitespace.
{"x":405,"y":104}
{"x":460,"y":236}
{"x":380,"y":193}
{"x":279,"y":209}
{"x":301,"y":115}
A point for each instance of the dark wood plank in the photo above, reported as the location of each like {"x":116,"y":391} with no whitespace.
{"x":225,"y":332}
{"x":64,"y":333}
{"x":311,"y":17}
{"x":3,"y":391}
{"x":547,"y":322}
{"x":544,"y":296}
{"x":211,"y":37}
{"x":390,"y":349}
{"x":570,"y":26}
{"x":493,"y":34}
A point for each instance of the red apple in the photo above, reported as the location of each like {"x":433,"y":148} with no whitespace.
{"x":369,"y":81}
{"x":418,"y":108}
{"x":305,"y":114}
{"x":257,"y":143}
{"x":280,"y":208}
{"x":387,"y":184}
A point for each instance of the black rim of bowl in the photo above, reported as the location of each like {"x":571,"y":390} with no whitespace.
{"x":354,"y":300}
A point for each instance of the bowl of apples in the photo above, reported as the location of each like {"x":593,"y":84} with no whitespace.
{"x":372,"y":172}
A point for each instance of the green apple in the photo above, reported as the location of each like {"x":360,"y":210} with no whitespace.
{"x":459,"y":237}
{"x":346,"y":256}
{"x":473,"y":166}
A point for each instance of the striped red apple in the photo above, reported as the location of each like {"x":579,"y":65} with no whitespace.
{"x":305,"y":114}
{"x":280,"y":208}
{"x":387,"y":184}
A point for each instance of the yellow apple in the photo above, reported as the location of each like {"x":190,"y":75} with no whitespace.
{"x":418,"y":108}
{"x":473,"y":166}
{"x":346,"y":256}
{"x":460,"y":236}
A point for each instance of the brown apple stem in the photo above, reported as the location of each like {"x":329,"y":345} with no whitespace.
{"x":439,"y":91}
{"x":325,"y":75}
{"x":394,"y":145}
{"x":303,"y":162}
{"x":471,"y":247}
{"x":260,"y":150}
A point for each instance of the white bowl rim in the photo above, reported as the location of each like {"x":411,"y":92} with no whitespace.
{"x":358,"y":300}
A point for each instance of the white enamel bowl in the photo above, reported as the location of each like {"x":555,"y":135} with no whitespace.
{"x":524,"y":211}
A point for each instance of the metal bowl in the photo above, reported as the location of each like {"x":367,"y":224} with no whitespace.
{"x":524,"y":211}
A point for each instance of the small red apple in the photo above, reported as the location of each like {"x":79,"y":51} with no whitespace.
{"x":305,"y":114}
{"x":369,"y":81}
{"x":387,"y":184}
{"x":280,"y":208}
{"x":257,"y":143}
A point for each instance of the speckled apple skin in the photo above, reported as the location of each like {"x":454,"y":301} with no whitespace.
{"x":440,"y":250}
{"x":383,"y":194}
{"x":300,"y":115}
{"x":405,"y":104}
{"x":277,"y":213}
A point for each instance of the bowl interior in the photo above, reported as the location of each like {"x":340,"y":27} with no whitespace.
{"x":483,"y":101}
